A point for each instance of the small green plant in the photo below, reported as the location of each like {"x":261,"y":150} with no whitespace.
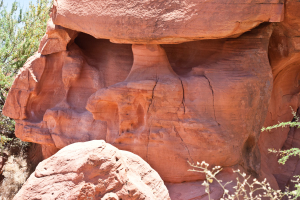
{"x":3,"y":141}
{"x":294,"y":123}
{"x":247,"y":188}
{"x":20,"y":34}
{"x":285,"y":154}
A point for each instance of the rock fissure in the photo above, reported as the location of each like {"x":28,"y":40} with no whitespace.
{"x":213,"y":95}
{"x":183,"y":98}
{"x":148,"y":144}
{"x":147,"y":119}
{"x":152,"y":95}
{"x":184,"y":144}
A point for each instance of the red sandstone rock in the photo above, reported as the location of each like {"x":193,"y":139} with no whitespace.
{"x":168,"y":98}
{"x":24,"y":86}
{"x":93,"y":170}
{"x":284,"y":58}
{"x":164,"y":22}
{"x":191,"y":104}
{"x":162,"y":111}
{"x":56,"y":39}
{"x":169,"y":103}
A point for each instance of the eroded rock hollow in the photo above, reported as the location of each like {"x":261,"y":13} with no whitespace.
{"x":170,"y":81}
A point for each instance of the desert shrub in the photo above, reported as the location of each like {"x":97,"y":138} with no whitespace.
{"x":245,"y":187}
{"x":294,"y":123}
{"x":285,"y":154}
{"x":248,"y":188}
{"x":16,"y":171}
{"x":20,"y":33}
{"x":3,"y":141}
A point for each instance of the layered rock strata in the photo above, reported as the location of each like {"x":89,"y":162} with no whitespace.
{"x":284,"y":56}
{"x":165,"y":22}
{"x":182,"y":81}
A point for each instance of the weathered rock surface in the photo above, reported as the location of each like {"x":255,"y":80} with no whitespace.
{"x":56,"y":39}
{"x":169,"y":103}
{"x":166,"y":100}
{"x":165,"y":22}
{"x":284,"y":56}
{"x":93,"y":170}
{"x":162,"y":111}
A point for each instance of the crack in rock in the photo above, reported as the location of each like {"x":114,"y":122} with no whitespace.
{"x":213,"y":94}
{"x":150,"y":123}
{"x":183,"y":98}
{"x":184,"y":144}
{"x":152,"y":95}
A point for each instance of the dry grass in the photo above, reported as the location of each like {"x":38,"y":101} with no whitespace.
{"x":16,"y":171}
{"x":244,"y":186}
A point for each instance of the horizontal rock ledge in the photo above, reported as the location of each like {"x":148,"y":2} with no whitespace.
{"x":164,"y":22}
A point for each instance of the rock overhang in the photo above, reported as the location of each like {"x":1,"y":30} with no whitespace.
{"x":165,"y":22}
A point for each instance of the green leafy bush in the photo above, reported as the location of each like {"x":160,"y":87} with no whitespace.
{"x":20,"y":34}
{"x":3,"y":141}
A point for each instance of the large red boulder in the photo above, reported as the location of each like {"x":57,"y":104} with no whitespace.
{"x":93,"y":170}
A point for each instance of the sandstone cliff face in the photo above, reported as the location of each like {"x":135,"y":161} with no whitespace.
{"x":284,"y":55}
{"x":160,"y":104}
{"x":153,"y":95}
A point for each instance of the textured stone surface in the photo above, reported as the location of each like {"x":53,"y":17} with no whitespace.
{"x":162,"y":111}
{"x":55,"y":39}
{"x":156,"y":99}
{"x":169,"y":103}
{"x":165,"y":22}
{"x":284,"y":57}
{"x":93,"y":170}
